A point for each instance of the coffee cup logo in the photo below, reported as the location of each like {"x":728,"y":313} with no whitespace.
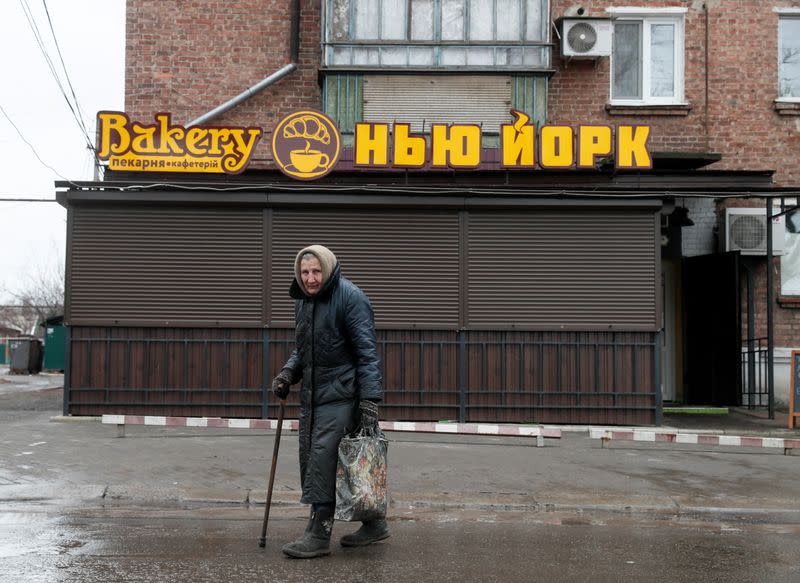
{"x":306,"y":145}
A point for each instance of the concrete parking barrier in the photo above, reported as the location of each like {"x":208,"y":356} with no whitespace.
{"x":607,"y":435}
{"x":504,"y":430}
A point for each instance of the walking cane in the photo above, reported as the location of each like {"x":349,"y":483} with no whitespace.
{"x":262,"y":542}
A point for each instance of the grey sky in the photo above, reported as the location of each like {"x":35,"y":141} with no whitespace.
{"x":91,"y":35}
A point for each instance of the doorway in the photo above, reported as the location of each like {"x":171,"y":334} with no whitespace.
{"x":713,"y":332}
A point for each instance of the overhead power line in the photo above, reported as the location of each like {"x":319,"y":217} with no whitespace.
{"x":22,"y":306}
{"x":66,"y":75}
{"x":35,"y":153}
{"x":2,"y":199}
{"x":40,"y":42}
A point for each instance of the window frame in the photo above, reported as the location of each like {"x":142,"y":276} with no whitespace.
{"x":784,"y":14}
{"x":648,"y":18}
{"x":343,"y":99}
{"x":534,"y":55}
{"x":790,"y":236}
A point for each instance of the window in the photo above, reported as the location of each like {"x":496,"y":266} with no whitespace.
{"x":789,"y":58}
{"x":647,"y":59}
{"x":790,"y":260}
{"x":431,"y":34}
{"x":427,"y":99}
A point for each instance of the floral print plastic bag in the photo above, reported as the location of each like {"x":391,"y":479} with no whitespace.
{"x":361,"y":487}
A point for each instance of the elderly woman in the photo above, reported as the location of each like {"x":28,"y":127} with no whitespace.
{"x":336,"y":359}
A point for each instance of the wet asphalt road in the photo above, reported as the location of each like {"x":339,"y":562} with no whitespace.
{"x":109,"y":540}
{"x":109,"y":543}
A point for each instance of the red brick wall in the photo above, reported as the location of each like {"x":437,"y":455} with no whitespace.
{"x":786,"y":315}
{"x":189,"y":57}
{"x":742,"y":123}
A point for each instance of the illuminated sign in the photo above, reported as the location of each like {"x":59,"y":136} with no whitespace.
{"x":164,"y":147}
{"x":522,"y":146}
{"x":306,"y":145}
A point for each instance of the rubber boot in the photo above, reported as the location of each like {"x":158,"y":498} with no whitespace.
{"x":316,"y":541}
{"x":370,"y":532}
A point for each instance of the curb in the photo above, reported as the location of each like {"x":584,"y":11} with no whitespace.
{"x":487,"y":429}
{"x":74,"y":419}
{"x":213,"y":422}
{"x":743,"y":438}
{"x":661,"y":505}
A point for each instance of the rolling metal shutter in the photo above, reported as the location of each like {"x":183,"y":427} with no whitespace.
{"x":473,"y":99}
{"x":166,"y":265}
{"x":572,"y":270}
{"x":407,"y":262}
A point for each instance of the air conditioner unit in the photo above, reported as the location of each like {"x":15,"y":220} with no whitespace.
{"x":746,"y":231}
{"x":586,"y":38}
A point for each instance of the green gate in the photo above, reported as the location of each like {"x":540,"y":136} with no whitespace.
{"x":54,"y":348}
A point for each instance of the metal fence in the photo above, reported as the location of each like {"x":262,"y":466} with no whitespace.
{"x":755,"y":392}
{"x":488,"y":376}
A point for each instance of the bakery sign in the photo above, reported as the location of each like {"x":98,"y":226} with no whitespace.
{"x":166,"y":147}
{"x":306,"y":145}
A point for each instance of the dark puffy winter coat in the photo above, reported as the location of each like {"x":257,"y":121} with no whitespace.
{"x":336,"y":358}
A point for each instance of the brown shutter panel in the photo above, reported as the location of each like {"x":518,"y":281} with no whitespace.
{"x":407,"y":262}
{"x":159,"y":265}
{"x":572,"y":269}
{"x":426,"y":99}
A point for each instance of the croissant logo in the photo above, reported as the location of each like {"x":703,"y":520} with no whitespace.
{"x":306,"y":145}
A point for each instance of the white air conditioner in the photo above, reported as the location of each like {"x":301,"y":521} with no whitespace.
{"x":746,"y":231}
{"x":586,"y":38}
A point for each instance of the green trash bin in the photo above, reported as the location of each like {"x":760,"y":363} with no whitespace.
{"x":54,"y":347}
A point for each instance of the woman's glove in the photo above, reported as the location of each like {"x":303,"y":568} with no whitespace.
{"x":369,"y":416}
{"x":281,"y":383}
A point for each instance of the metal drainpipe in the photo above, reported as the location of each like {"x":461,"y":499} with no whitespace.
{"x":770,"y":326}
{"x":751,"y":335}
{"x":706,"y":74}
{"x":294,"y":52}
